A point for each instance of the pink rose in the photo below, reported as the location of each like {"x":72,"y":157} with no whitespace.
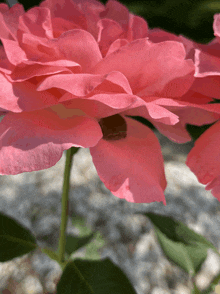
{"x":192,"y":107}
{"x":207,"y":62}
{"x":204,"y":159}
{"x":205,"y":56}
{"x":70,"y":74}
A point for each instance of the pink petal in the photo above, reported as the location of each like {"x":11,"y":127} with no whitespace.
{"x":204,"y":158}
{"x":216,"y":25}
{"x":157,"y":69}
{"x":36,"y":140}
{"x":83,"y":13}
{"x":187,"y":113}
{"x":152,"y":111}
{"x":109,"y":31}
{"x":117,"y":12}
{"x":5,"y":65}
{"x":206,"y":64}
{"x":138,"y":28}
{"x":24,"y":72}
{"x":80,"y":47}
{"x":132,"y":168}
{"x":116,"y":45}
{"x":209,"y":86}
{"x":13,"y":51}
{"x":158,"y":35}
{"x":37,"y":21}
{"x":81,"y":85}
{"x":99,"y":106}
{"x":9,"y":20}
{"x":17,"y":97}
{"x":61,"y":25}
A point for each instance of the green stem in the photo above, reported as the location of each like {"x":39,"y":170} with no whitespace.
{"x":64,"y":214}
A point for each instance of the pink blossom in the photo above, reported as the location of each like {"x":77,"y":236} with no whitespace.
{"x":68,"y":68}
{"x":205,"y":56}
{"x":204,"y":159}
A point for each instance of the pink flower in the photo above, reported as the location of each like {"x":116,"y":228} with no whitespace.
{"x":205,"y":56}
{"x":207,"y":62}
{"x":204,"y":159}
{"x":70,"y":74}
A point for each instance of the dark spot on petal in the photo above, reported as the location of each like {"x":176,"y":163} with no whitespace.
{"x":113,"y":127}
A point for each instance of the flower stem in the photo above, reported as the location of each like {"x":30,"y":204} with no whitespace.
{"x":64,"y":214}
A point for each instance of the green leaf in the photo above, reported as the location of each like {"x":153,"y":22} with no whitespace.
{"x":15,"y":240}
{"x":180,"y":244}
{"x":53,"y":255}
{"x":92,"y":249}
{"x":80,"y":223}
{"x":74,"y":243}
{"x":93,"y":277}
{"x":195,"y":290}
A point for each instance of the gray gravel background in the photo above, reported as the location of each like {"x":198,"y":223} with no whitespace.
{"x":34,"y":199}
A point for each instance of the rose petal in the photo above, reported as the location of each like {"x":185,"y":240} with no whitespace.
{"x":17,"y":97}
{"x":138,"y":28}
{"x":109,"y":31}
{"x":157,"y":69}
{"x":13,"y":51}
{"x":99,"y":106}
{"x":36,"y":140}
{"x":216,"y":25}
{"x":81,"y":85}
{"x":117,"y":12}
{"x":5,"y":65}
{"x":132,"y":168}
{"x":204,"y":158}
{"x":37,"y":21}
{"x":9,"y":20}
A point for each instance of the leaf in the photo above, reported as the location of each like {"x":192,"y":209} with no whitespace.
{"x":74,"y":243}
{"x":15,"y":240}
{"x":180,"y":244}
{"x":80,"y":223}
{"x":53,"y":255}
{"x":93,"y":277}
{"x":195,"y":290}
{"x":92,"y":249}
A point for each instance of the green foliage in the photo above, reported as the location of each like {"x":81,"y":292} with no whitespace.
{"x":74,"y":243}
{"x":93,"y":277}
{"x":180,"y":244}
{"x":15,"y":240}
{"x":93,"y":242}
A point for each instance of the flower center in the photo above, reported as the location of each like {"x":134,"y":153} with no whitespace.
{"x":113,"y":127}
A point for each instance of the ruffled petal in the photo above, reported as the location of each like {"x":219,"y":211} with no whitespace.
{"x":81,"y":85}
{"x":132,"y":168}
{"x":37,"y":21}
{"x":17,"y":97}
{"x":9,"y":20}
{"x":157,"y":69}
{"x":33,"y":141}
